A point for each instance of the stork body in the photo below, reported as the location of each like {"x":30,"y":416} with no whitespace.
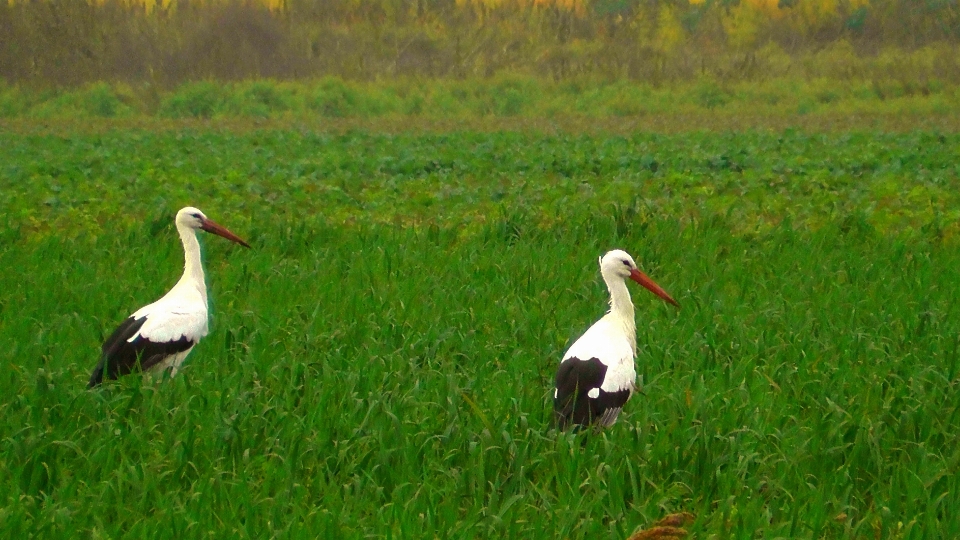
{"x":597,"y":374}
{"x":159,"y":336}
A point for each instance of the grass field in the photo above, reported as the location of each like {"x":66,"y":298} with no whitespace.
{"x":380,"y":364}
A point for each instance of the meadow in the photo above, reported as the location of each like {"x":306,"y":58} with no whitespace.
{"x":380,"y":363}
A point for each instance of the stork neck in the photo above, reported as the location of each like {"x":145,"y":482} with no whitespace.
{"x":192,"y":267}
{"x":621,"y":309}
{"x":620,"y":303}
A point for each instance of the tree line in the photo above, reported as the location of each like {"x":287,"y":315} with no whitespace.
{"x":168,"y":42}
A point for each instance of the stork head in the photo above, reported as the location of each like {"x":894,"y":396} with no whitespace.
{"x":192,"y":218}
{"x":620,"y":264}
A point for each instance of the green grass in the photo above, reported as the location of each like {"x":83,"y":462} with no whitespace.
{"x":899,"y":183}
{"x":380,"y":364}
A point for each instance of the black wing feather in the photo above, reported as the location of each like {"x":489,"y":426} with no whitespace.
{"x":572,"y":405}
{"x":120,"y":356}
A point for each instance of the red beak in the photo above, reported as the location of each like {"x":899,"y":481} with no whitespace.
{"x":212,"y":226}
{"x":642,"y":279}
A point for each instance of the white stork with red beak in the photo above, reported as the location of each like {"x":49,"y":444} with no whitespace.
{"x":160,"y":336}
{"x":597,"y":375}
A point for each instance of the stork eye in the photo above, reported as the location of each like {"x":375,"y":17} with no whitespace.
{"x":626,"y":263}
{"x":196,"y":215}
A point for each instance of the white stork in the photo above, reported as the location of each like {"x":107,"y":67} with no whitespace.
{"x":597,"y":376}
{"x":160,"y":336}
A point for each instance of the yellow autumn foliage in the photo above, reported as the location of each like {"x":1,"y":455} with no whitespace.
{"x":480,"y":4}
{"x":669,"y":30}
{"x":812,"y":12}
{"x":769,"y":8}
{"x":150,"y":5}
{"x":576,"y":6}
{"x":815,"y":12}
{"x":742,"y":24}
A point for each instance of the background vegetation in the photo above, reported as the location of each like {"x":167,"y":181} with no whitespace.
{"x":473,"y":59}
{"x":167,"y":43}
{"x":330,"y":100}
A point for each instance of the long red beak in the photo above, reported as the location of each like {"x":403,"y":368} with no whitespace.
{"x":212,"y":226}
{"x":644,"y":280}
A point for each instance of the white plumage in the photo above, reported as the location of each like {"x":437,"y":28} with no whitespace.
{"x":159,"y":336}
{"x":171,"y":318}
{"x":597,"y":376}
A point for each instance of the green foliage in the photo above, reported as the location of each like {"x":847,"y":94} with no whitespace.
{"x":380,"y":363}
{"x":502,"y":97}
{"x":334,"y":98}
{"x":261,"y":99}
{"x":709,"y":95}
{"x":98,"y":100}
{"x":13,"y":101}
{"x":510,"y":96}
{"x":195,"y":100}
{"x":625,"y":101}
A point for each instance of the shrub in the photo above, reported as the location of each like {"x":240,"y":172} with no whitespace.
{"x":97,"y":100}
{"x":334,"y":98}
{"x":837,"y":61}
{"x":195,"y":100}
{"x":13,"y":102}
{"x":511,"y":95}
{"x":260,"y":99}
{"x":626,"y":100}
{"x":448,"y":100}
{"x":709,"y":95}
{"x":100,"y":100}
